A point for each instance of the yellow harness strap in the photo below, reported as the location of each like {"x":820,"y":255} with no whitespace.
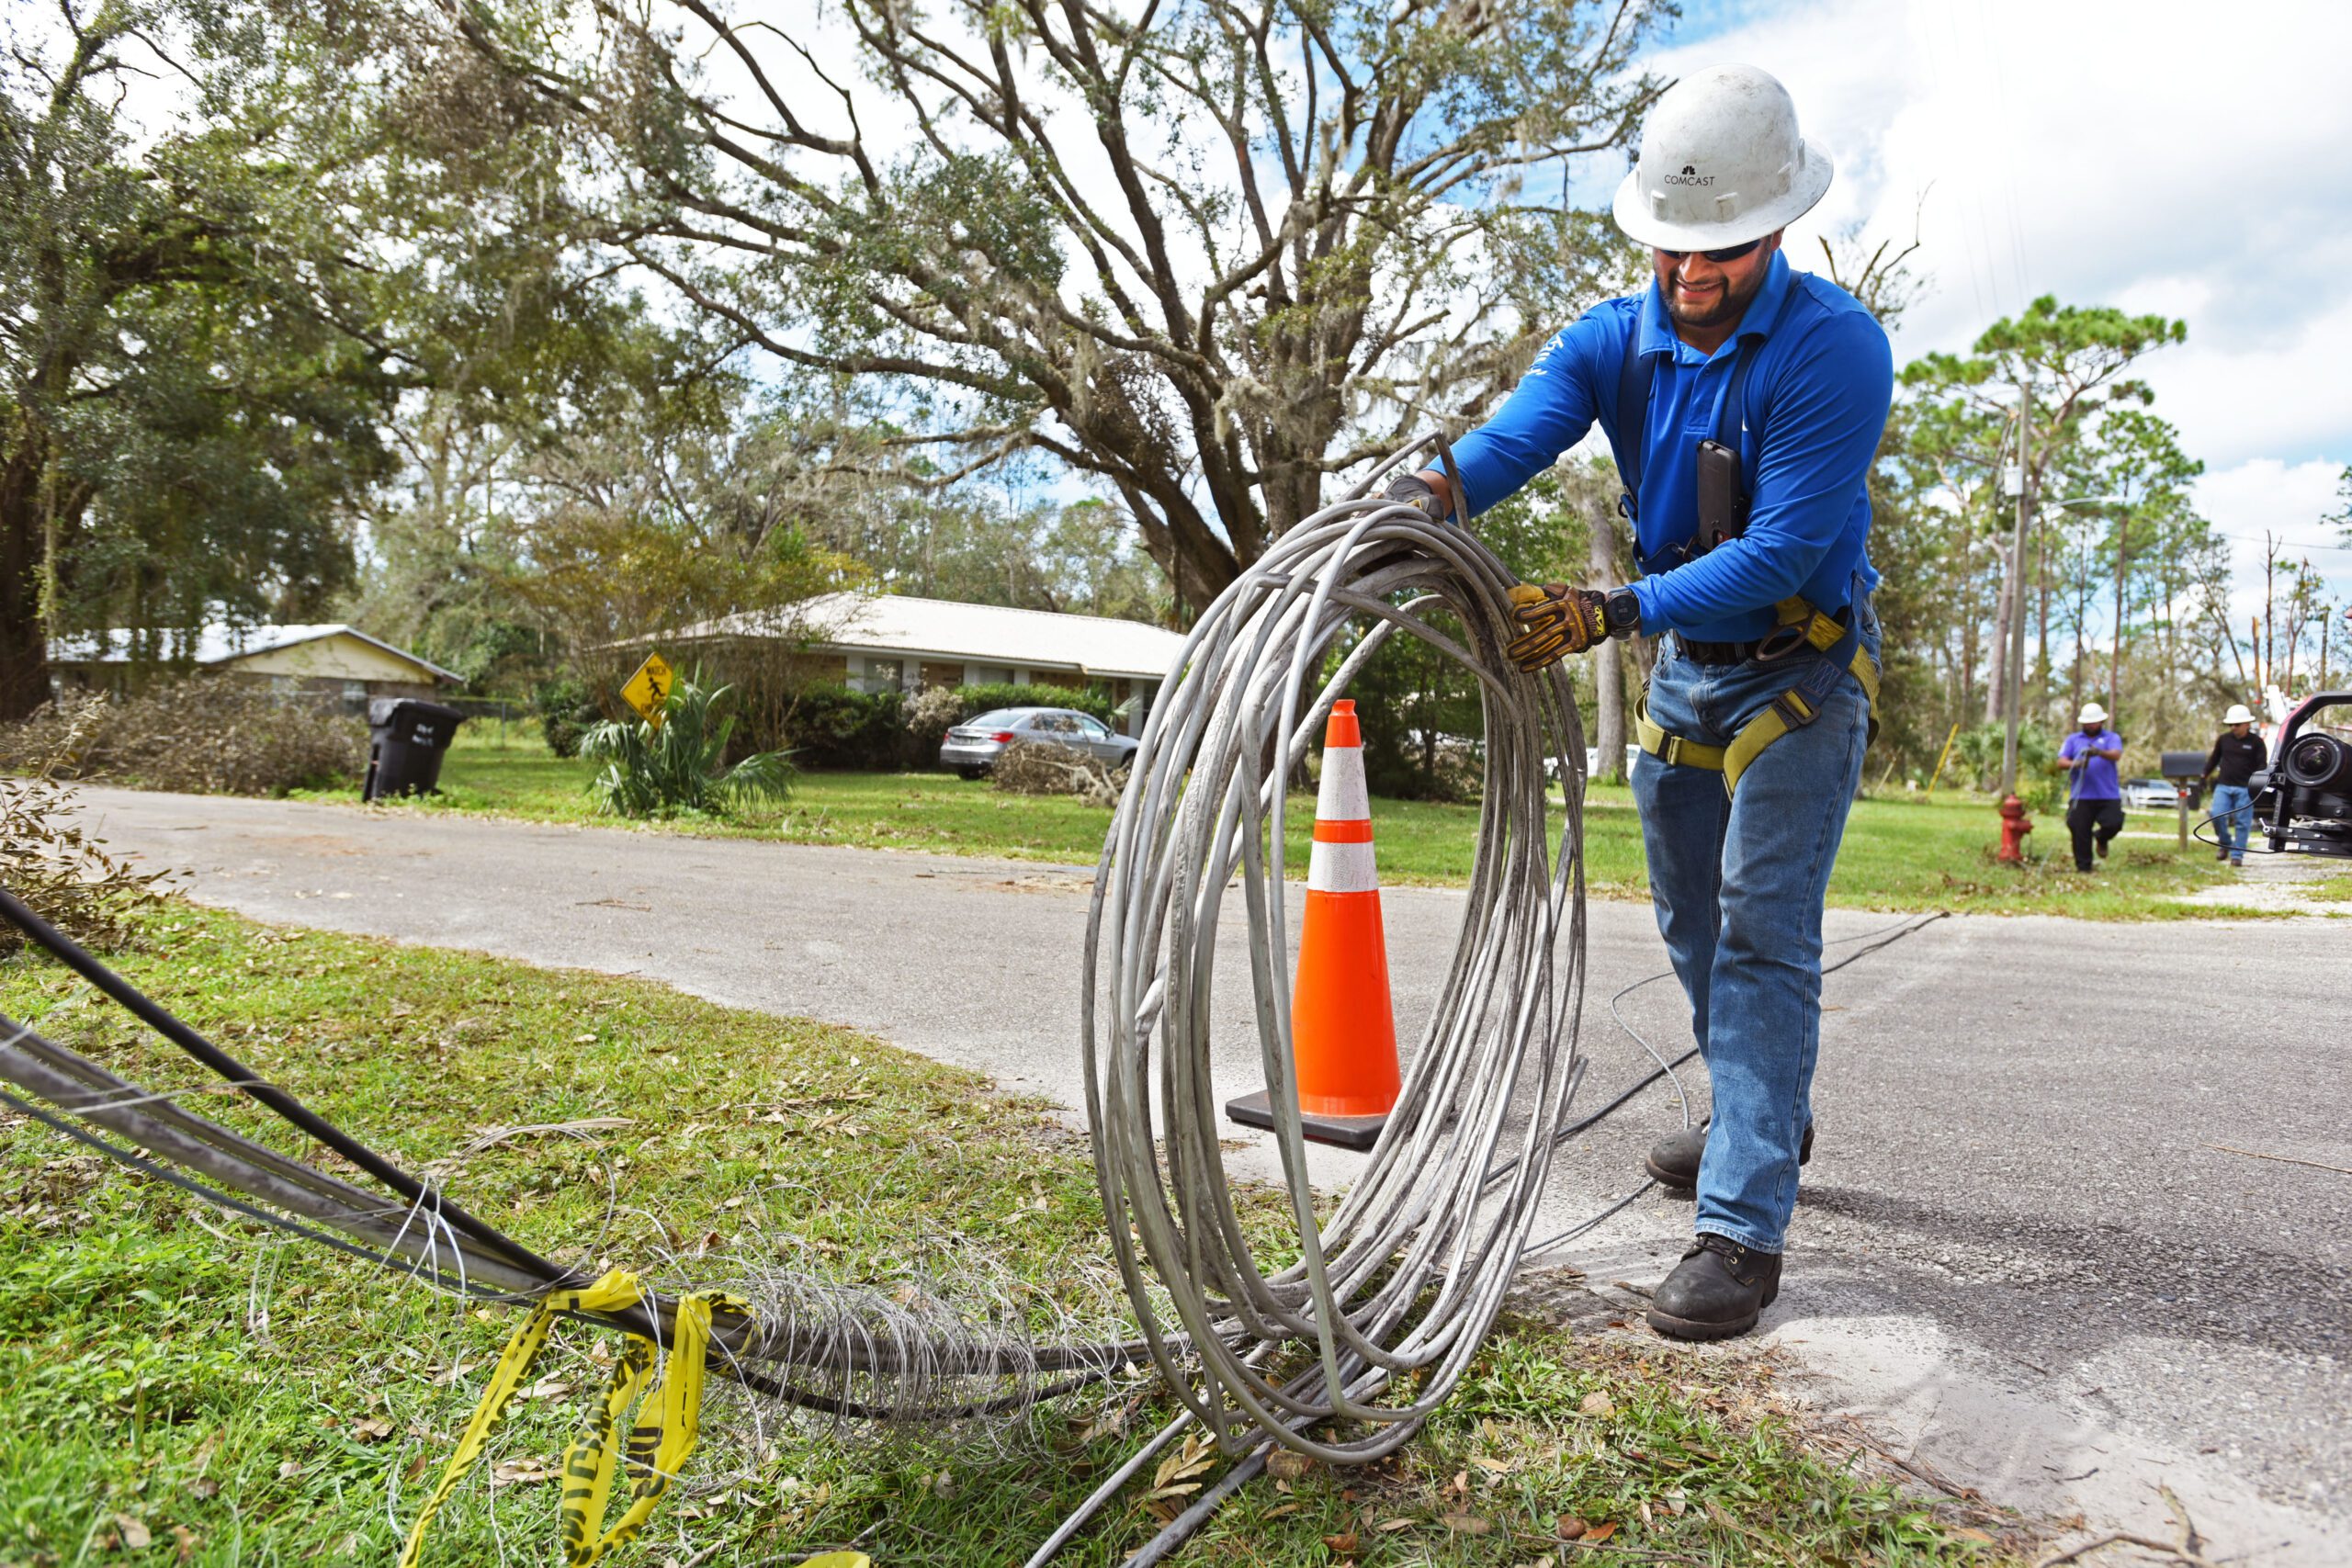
{"x":1790,"y":710}
{"x":1821,"y":631}
{"x":1672,"y":750}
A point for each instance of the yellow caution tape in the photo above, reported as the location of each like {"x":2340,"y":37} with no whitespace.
{"x":658,"y":1451}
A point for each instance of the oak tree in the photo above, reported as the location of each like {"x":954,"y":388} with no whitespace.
{"x":1205,"y":253}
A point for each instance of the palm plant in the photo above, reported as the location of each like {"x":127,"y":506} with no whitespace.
{"x":680,"y":764}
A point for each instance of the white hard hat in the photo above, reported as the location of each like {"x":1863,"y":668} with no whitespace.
{"x":2092,"y":714}
{"x":1722,"y":163}
{"x":2239,"y":714}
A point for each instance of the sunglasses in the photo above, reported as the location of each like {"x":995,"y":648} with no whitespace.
{"x":1728,"y":253}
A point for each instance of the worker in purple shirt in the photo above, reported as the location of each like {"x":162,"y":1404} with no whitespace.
{"x":2095,"y":795}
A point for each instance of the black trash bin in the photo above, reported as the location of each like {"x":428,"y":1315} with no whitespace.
{"x":406,"y":736}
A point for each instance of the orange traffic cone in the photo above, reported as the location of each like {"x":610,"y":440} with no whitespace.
{"x":1343,"y":1030}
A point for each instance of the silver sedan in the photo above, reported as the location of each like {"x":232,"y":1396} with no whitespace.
{"x":972,"y":747}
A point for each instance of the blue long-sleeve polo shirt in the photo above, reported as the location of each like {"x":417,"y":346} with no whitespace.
{"x":1818,"y":391}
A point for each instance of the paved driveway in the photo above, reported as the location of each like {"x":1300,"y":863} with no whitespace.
{"x":2038,"y":1245}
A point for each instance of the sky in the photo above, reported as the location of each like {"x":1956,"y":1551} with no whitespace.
{"x":2141,"y":154}
{"x":2157,"y":156}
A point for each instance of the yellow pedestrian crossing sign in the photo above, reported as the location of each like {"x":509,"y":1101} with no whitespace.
{"x":647,"y":691}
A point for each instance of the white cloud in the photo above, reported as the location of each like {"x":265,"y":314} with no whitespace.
{"x":2154,"y":157}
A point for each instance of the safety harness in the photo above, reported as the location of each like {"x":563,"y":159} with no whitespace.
{"x":1834,"y":647}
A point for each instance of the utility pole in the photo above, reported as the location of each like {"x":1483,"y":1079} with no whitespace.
{"x":2016,"y":594}
{"x":2115,"y":665}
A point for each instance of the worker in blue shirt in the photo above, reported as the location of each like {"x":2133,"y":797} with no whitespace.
{"x":1744,"y":401}
{"x":2094,"y":793}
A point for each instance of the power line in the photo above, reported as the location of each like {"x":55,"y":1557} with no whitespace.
{"x":2008,"y":191}
{"x":2282,"y":545}
{"x":1968,"y":220}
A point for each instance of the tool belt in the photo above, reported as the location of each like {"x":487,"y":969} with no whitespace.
{"x":1800,"y":624}
{"x":1832,"y":654}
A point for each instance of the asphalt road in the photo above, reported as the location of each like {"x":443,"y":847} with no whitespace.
{"x":2038,"y":1248}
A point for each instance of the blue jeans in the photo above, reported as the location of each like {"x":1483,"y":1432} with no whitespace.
{"x":1739,"y":886}
{"x":2233,"y":810}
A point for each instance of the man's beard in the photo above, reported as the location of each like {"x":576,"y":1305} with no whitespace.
{"x":1729,"y":306}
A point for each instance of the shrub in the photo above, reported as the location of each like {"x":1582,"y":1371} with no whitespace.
{"x":48,"y":861}
{"x":977,"y":700}
{"x":933,"y":711}
{"x":681,"y":763}
{"x":1042,"y":767}
{"x":834,"y":727}
{"x":209,"y":734}
{"x":566,"y":713}
{"x":1977,"y":755}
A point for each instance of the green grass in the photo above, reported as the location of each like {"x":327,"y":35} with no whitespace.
{"x":177,"y":1387}
{"x":1899,"y":855}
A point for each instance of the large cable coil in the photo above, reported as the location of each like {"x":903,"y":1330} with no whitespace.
{"x":1395,"y":1284}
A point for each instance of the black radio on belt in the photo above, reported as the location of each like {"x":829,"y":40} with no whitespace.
{"x":1723,"y":500}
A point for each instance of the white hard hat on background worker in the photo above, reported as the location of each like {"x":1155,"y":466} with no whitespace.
{"x":2239,"y":714}
{"x":1722,"y":163}
{"x":2092,"y":714}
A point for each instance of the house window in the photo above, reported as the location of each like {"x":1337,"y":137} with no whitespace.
{"x":885,"y":674}
{"x":355,"y":696}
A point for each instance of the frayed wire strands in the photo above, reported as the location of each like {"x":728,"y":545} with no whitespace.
{"x":838,"y":1350}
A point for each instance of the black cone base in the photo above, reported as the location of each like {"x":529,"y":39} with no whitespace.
{"x":1341,"y":1132}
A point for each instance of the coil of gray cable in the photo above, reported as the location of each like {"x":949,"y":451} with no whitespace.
{"x":1403,"y":1276}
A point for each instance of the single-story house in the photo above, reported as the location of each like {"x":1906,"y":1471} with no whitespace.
{"x":898,"y":642}
{"x":332,"y":660}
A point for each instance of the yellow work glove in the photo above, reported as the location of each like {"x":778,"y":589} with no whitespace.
{"x":1559,"y":620}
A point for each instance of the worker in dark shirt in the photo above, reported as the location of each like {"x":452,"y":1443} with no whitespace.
{"x":2094,"y":795}
{"x":2237,"y":755}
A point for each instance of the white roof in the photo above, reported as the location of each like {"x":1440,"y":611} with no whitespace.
{"x":901,"y":625}
{"x":220,"y":643}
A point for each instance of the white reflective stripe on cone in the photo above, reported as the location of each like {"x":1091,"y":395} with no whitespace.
{"x":1341,"y":868}
{"x":1341,"y":796}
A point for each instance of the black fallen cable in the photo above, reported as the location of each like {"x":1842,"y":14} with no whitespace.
{"x":331,"y":1200}
{"x":133,"y":1159}
{"x":75,"y":957}
{"x":757,"y":1381}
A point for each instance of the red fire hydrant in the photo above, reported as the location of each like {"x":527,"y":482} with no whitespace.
{"x":2015,"y":825}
